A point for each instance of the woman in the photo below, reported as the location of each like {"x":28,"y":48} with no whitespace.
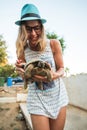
{"x":48,"y":106}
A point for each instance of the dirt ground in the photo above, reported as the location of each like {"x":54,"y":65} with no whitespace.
{"x":11,"y":117}
{"x":11,"y":91}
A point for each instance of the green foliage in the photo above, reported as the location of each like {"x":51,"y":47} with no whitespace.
{"x":62,"y":44}
{"x":3,"y":53}
{"x":53,"y":35}
{"x":67,"y":71}
{"x":8,"y":71}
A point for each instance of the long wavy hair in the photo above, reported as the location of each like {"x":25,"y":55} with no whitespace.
{"x":21,"y":42}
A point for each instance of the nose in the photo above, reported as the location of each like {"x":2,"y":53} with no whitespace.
{"x":33,"y":32}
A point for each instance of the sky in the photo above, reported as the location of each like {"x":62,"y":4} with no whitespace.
{"x":67,"y":18}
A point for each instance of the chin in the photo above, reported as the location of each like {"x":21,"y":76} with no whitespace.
{"x":34,"y":43}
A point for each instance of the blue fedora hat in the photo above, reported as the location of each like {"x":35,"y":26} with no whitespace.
{"x":29,"y":12}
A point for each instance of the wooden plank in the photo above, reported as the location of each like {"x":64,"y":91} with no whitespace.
{"x":21,"y":97}
{"x":7,"y":99}
{"x":26,"y":115}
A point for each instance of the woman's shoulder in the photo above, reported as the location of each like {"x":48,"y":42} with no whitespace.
{"x":55,"y":44}
{"x":54,"y":41}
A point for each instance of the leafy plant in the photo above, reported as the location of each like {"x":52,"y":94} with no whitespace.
{"x":8,"y":71}
{"x":52,"y":35}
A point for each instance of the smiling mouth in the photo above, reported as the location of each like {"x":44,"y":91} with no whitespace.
{"x":34,"y":38}
{"x":33,"y":41}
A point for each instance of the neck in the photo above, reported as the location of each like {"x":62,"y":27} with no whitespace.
{"x":34,"y":47}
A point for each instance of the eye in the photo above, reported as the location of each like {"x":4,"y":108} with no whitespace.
{"x":37,"y":28}
{"x":28,"y":28}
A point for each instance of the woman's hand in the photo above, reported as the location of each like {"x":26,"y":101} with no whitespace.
{"x":39,"y":78}
{"x":20,"y":67}
{"x":57,"y":74}
{"x":54,"y":75}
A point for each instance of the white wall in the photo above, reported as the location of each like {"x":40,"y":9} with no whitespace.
{"x":76,"y":86}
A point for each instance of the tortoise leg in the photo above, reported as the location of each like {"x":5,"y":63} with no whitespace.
{"x":39,"y":85}
{"x":25,"y":84}
{"x":49,"y":78}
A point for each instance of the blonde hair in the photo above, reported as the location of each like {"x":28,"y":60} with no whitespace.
{"x":21,"y":41}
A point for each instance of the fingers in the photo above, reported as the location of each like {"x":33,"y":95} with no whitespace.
{"x":19,"y":69}
{"x":20,"y":66}
{"x":20,"y":63}
{"x":20,"y":73}
{"x":40,"y":78}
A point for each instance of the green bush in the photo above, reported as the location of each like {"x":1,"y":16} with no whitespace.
{"x":8,"y":71}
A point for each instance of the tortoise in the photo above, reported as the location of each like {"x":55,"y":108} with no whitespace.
{"x":36,"y":67}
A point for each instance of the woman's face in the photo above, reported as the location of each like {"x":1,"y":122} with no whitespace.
{"x":34,"y":30}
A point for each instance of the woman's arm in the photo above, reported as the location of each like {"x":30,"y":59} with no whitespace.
{"x":20,"y":67}
{"x":57,"y":54}
{"x":58,"y":58}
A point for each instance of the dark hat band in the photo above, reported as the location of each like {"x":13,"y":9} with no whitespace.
{"x":30,"y":15}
